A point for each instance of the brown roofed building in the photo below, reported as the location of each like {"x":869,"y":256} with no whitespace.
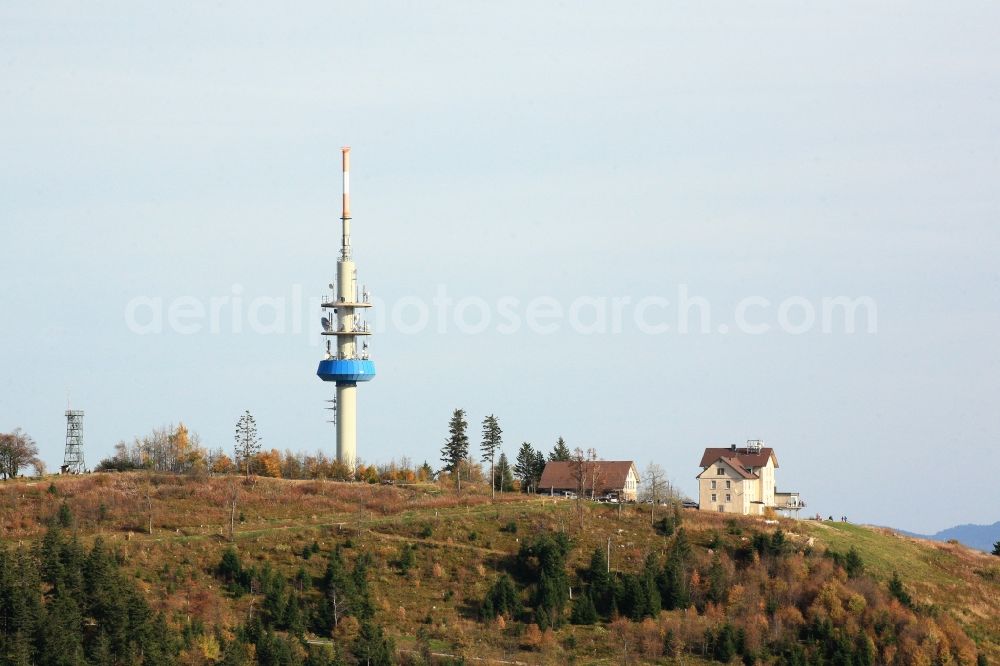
{"x":599,"y":478}
{"x":741,"y":480}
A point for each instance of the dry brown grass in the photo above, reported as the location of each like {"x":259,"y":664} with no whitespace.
{"x":461,"y":542}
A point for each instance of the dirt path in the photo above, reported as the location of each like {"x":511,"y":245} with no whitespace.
{"x":435,"y":542}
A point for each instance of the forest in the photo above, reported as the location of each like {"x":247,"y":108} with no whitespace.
{"x":422,"y":575}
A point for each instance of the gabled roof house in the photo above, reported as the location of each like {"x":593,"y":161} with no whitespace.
{"x":599,"y":478}
{"x":741,"y":480}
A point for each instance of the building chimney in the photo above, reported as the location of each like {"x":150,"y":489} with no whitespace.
{"x":732,"y":447}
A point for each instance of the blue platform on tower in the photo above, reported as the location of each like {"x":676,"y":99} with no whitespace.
{"x":346,"y":371}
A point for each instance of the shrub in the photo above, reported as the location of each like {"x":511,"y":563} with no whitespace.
{"x":231,"y":570}
{"x":666,"y":525}
{"x":65,"y":516}
{"x":407,"y":557}
{"x":897,"y":590}
{"x":853,"y":563}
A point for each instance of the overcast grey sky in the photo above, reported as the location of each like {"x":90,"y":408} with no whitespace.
{"x":520,"y":150}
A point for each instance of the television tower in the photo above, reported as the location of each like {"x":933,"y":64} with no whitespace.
{"x":346,"y":365}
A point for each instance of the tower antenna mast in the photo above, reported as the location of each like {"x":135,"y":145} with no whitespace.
{"x":343,"y":323}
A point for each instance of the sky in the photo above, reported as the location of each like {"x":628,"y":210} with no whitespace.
{"x":533,"y":164}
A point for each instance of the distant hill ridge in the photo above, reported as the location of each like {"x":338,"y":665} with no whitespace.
{"x":981,"y":537}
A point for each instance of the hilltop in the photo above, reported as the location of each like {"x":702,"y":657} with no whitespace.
{"x":431,"y":576}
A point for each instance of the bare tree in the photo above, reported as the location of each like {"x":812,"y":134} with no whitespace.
{"x":149,"y":500}
{"x":578,"y":472}
{"x":338,"y":604}
{"x":656,"y":486}
{"x":39,"y":466}
{"x":234,"y":496}
{"x":594,"y":471}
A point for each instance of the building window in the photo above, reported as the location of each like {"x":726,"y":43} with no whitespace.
{"x":729,"y":498}
{"x":713,"y":484}
{"x":715,"y":498}
{"x":720,"y":471}
{"x":722,"y":508}
{"x":729,"y":484}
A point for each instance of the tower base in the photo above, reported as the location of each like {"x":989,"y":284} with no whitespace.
{"x":347,"y":426}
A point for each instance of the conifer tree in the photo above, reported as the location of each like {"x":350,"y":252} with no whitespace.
{"x":524,"y":466}
{"x":584,"y":611}
{"x":537,"y":468}
{"x":650,"y":591}
{"x":601,"y":586}
{"x":560,"y":452}
{"x":492,"y":439}
{"x":247,"y":442}
{"x":372,"y":648}
{"x":502,"y":599}
{"x":718,"y":585}
{"x":456,"y":447}
{"x":505,"y":475}
{"x":897,"y":590}
{"x":675,"y":592}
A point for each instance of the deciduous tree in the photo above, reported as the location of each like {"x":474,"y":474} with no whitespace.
{"x":654,"y":480}
{"x":17,"y":451}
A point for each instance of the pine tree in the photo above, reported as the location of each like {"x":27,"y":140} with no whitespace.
{"x":247,"y":442}
{"x":897,"y":590}
{"x":650,"y":591}
{"x":537,"y":468}
{"x":673,"y":580}
{"x":505,"y":474}
{"x":996,"y":549}
{"x":524,"y":466}
{"x":584,"y":611}
{"x":560,"y":452}
{"x":545,"y":557}
{"x":492,"y":439}
{"x":853,"y":563}
{"x":372,"y":648}
{"x":65,"y":516}
{"x":337,"y":590}
{"x":601,"y":586}
{"x":718,"y":585}
{"x":456,"y":447}
{"x":502,"y":599}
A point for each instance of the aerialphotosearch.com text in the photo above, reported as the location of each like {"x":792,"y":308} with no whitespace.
{"x":682,"y":313}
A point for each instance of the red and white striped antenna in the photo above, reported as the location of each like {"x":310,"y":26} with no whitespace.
{"x":345,"y":248}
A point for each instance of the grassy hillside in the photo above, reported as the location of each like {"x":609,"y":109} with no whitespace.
{"x":962,"y":581}
{"x":436,"y":555}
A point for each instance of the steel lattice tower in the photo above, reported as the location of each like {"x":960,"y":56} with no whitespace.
{"x":73,"y":457}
